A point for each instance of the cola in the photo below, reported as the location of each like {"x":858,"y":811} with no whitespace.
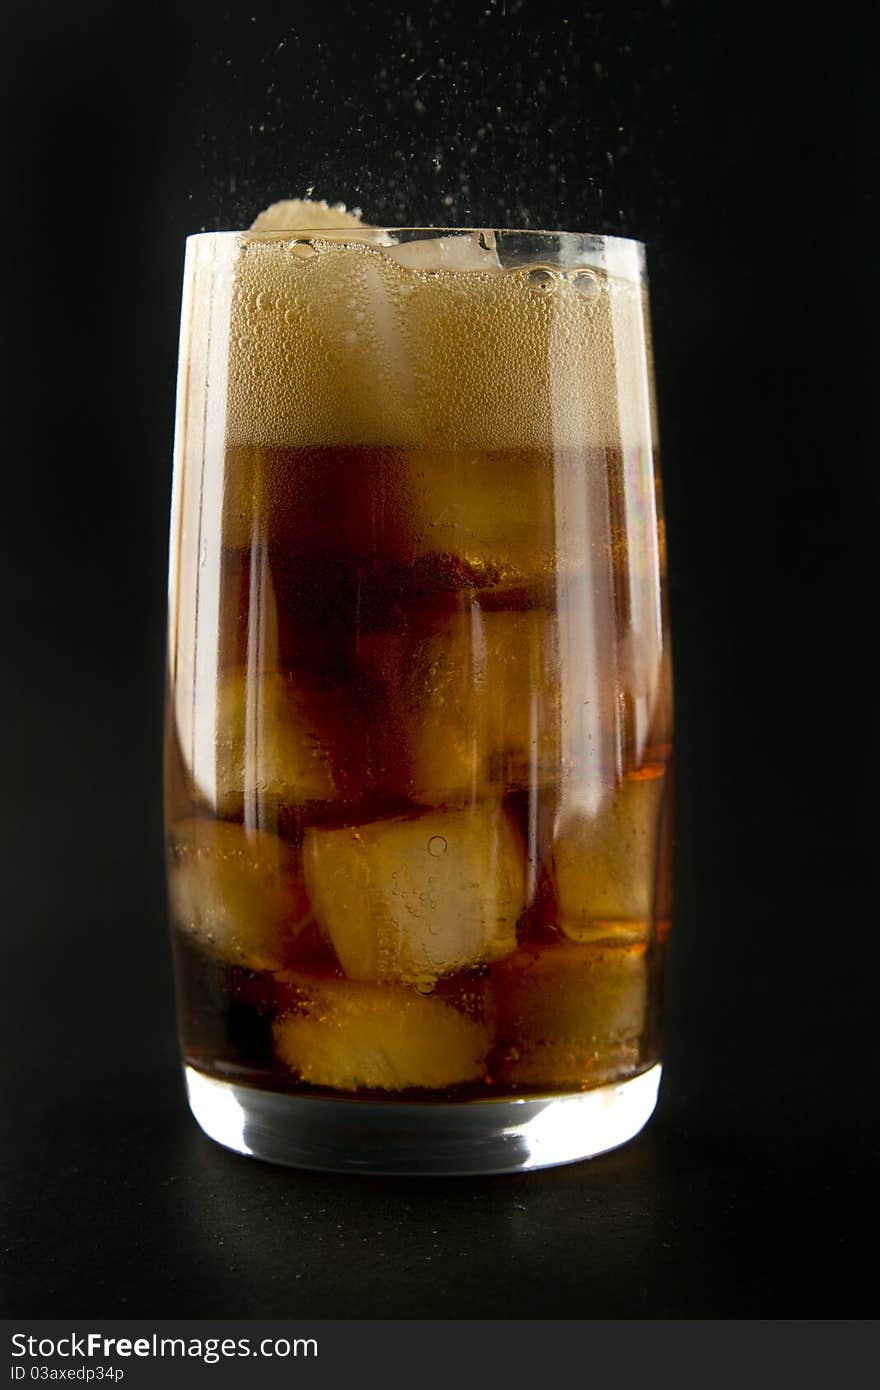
{"x":419,"y":730}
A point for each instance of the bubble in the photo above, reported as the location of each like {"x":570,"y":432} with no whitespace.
{"x":437,"y":846}
{"x":542,"y":280}
{"x":303,"y":250}
{"x":586,"y":282}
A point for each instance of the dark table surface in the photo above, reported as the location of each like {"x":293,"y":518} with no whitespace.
{"x":752,"y":1192}
{"x":124,"y":1209}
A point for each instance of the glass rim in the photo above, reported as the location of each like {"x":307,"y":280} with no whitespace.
{"x":296,"y":233}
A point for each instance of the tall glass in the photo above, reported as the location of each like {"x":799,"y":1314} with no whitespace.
{"x":419,"y":712}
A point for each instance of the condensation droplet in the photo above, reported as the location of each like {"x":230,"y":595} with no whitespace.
{"x":303,"y":250}
{"x":437,"y":846}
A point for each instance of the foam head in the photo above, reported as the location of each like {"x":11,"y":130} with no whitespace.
{"x":350,"y":335}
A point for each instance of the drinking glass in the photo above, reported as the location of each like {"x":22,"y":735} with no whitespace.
{"x":419,"y":720}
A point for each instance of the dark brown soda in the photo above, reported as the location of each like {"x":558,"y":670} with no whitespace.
{"x":403,"y":640}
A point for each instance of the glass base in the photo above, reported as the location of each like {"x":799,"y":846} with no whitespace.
{"x":434,"y":1138}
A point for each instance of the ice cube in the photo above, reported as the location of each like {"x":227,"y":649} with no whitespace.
{"x":569,"y":1015}
{"x":521,"y":695}
{"x":353,"y":1036}
{"x":256,"y":743}
{"x":473,"y":252}
{"x":411,"y":900}
{"x":501,"y":713}
{"x":492,"y":509}
{"x":604,"y":862}
{"x":469,"y":702}
{"x":238,"y":892}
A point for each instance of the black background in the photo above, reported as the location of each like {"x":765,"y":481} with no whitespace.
{"x":734,"y":140}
